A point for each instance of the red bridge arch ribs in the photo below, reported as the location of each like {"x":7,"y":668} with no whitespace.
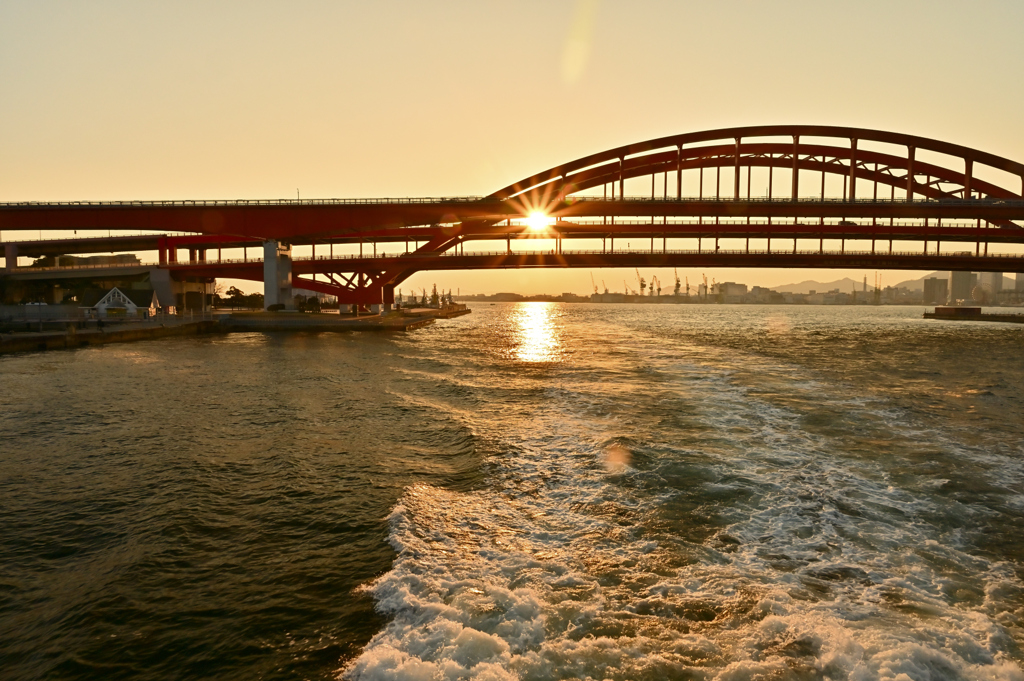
{"x":614,"y":166}
{"x":556,"y":192}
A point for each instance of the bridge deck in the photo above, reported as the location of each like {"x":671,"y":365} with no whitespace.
{"x":288,"y":221}
{"x":307,"y":266}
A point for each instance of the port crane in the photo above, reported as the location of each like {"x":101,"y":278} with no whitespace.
{"x":593,"y":282}
{"x":629,"y":291}
{"x":675,"y":291}
{"x":605,"y":287}
{"x":643,"y":284}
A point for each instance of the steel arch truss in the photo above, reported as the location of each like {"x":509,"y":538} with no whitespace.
{"x":744,"y":148}
{"x":367,"y":286}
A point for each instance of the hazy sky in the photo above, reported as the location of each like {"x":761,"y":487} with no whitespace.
{"x":144,"y":100}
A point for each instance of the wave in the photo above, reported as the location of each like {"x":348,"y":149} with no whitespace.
{"x":674,"y":523}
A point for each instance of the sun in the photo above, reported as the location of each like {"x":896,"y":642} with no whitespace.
{"x":537,"y":221}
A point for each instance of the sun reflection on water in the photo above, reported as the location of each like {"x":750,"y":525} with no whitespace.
{"x":536,"y":334}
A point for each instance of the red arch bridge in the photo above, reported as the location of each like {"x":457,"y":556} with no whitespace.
{"x":766,"y":196}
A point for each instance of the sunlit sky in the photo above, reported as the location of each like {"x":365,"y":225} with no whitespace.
{"x":127,"y":100}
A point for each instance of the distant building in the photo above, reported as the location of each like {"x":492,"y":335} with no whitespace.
{"x":960,"y":285}
{"x":322,"y":297}
{"x":1019,"y":287}
{"x":992,"y":281}
{"x":729,"y":288}
{"x":936,"y":291}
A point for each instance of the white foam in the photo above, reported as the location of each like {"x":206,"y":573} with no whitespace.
{"x":566,"y":567}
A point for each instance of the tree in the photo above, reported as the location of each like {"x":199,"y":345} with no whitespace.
{"x":235,"y":297}
{"x":253,"y":301}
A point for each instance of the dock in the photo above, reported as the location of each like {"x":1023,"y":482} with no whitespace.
{"x":303,"y":321}
{"x":71,"y":334}
{"x":973,"y":314}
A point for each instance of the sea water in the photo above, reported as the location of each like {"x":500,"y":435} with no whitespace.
{"x":534,"y":491}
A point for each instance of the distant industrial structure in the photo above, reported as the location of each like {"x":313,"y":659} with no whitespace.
{"x":973,"y":289}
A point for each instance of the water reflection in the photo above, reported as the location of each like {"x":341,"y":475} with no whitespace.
{"x":536,"y":335}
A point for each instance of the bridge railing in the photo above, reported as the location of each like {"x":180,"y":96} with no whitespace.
{"x":722,"y":251}
{"x":585,"y":221}
{"x":632,"y":251}
{"x":73,"y":313}
{"x":881,"y":251}
{"x":134,"y":233}
{"x":228,"y":203}
{"x":111,"y":266}
{"x":807,"y":200}
{"x":222,"y":203}
{"x":780,"y":222}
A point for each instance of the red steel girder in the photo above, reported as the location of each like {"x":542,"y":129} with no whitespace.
{"x":707,"y":258}
{"x":280,"y":220}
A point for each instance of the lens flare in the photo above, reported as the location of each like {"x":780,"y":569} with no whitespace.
{"x":537,"y":221}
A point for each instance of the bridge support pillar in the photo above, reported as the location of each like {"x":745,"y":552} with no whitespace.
{"x":11,"y":256}
{"x":277,"y":275}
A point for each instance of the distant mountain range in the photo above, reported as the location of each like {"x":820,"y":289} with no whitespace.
{"x":846,"y":284}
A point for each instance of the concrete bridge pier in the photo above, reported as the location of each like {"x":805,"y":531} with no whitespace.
{"x":277,"y":275}
{"x":11,"y":256}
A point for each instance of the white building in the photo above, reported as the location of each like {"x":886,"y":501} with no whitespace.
{"x":117,"y":303}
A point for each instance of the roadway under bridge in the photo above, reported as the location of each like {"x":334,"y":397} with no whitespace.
{"x":767,"y":196}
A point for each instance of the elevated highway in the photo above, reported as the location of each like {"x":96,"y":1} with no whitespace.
{"x":941,"y":204}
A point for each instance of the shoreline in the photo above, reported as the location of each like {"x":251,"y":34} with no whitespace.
{"x":73,"y":337}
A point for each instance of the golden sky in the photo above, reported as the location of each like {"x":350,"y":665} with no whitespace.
{"x":129,"y":100}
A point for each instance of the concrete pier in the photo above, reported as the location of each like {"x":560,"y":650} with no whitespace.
{"x":302,"y":321}
{"x":277,"y":275}
{"x":75,"y":337}
{"x":54,"y":334}
{"x":11,"y":256}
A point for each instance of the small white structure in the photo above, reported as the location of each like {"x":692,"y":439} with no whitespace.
{"x":117,"y":303}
